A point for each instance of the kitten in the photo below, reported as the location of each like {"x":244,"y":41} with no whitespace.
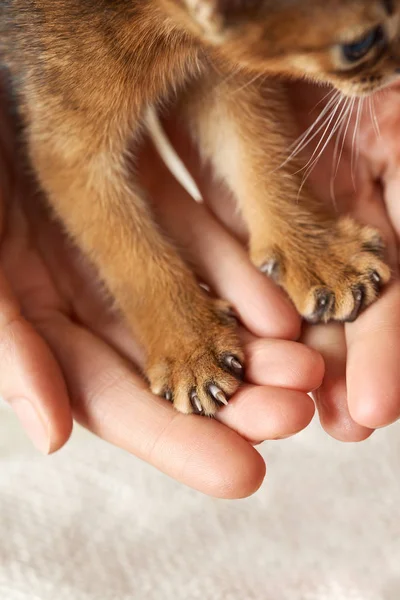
{"x":85,"y":72}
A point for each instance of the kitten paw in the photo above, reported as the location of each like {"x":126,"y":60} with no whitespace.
{"x":200,"y":374}
{"x":330,"y":275}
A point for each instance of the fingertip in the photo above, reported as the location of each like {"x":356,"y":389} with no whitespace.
{"x":314,"y":367}
{"x":373,"y":384}
{"x":238,"y":476}
{"x":210,"y":458}
{"x":33,"y":385}
{"x":286,"y":325}
{"x":285,"y":364}
{"x":347,"y":431}
{"x":263,"y":308}
{"x":268,"y":413}
{"x":373,"y":387}
{"x":372,"y":368}
{"x":334,"y":415}
{"x":268,"y":312}
{"x":61,"y":432}
{"x":248,"y":482}
{"x":331,"y":397}
{"x":376,"y":411}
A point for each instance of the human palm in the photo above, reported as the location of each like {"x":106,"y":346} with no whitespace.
{"x":360,"y":390}
{"x":66,"y":353}
{"x":361,"y":386}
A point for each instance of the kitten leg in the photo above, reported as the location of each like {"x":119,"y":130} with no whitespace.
{"x":331,"y":267}
{"x":193,"y":355}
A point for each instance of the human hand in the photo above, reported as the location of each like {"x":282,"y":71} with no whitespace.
{"x":360,"y":391}
{"x":65,"y":353}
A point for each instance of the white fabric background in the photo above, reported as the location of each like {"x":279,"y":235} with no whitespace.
{"x":93,"y":523}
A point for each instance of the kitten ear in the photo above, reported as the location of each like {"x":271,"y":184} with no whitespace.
{"x":215,"y":17}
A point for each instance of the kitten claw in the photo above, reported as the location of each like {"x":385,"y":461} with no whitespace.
{"x":217,"y":394}
{"x":359,"y":296}
{"x":271,"y":269}
{"x":232,"y":314}
{"x":376,"y":281}
{"x":167,"y":395}
{"x":234,"y":366}
{"x":325,"y":301}
{"x":196,"y":404}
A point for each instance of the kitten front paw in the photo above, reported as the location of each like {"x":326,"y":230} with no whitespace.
{"x":199,"y":374}
{"x":330,"y":274}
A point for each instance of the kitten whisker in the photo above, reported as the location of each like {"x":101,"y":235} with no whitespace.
{"x":359,"y":131}
{"x":321,"y":141}
{"x":249,"y":83}
{"x":374,"y":118}
{"x":314,"y":162}
{"x":234,"y":73}
{"x":355,"y":147}
{"x":303,"y":142}
{"x":349,"y":116}
{"x":322,"y":114}
{"x":337,"y":156}
{"x":323,"y":99}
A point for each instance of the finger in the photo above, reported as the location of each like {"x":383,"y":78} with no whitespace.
{"x":218,"y":258}
{"x":277,"y":363}
{"x":392,"y":190}
{"x":30,"y":379}
{"x":373,"y":365}
{"x":331,"y":396}
{"x":263,"y":413}
{"x":212,"y":190}
{"x":284,"y":364}
{"x":267,"y":413}
{"x":114,"y":403}
{"x":373,"y":341}
{"x":7,"y":139}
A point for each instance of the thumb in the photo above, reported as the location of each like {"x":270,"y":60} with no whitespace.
{"x":31,"y":381}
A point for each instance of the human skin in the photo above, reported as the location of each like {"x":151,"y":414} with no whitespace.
{"x":361,"y":387}
{"x":67,"y":353}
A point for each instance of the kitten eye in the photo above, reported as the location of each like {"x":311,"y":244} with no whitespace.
{"x":358,"y":50}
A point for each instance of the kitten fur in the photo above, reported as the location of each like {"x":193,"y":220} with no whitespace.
{"x":85,"y":73}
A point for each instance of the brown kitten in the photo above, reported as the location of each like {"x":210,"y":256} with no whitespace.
{"x":86,"y":70}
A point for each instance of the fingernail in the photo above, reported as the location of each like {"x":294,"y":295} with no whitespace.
{"x":32,"y":423}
